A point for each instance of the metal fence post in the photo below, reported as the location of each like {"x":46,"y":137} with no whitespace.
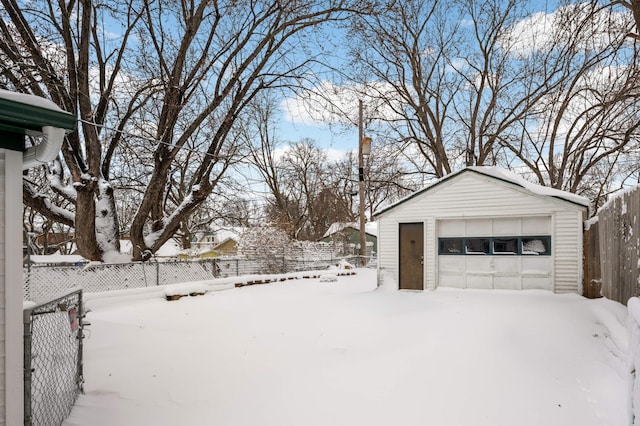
{"x":157,"y":273}
{"x":80,"y":371}
{"x":144,"y":275}
{"x":27,"y":287}
{"x":215,"y":268}
{"x":26,"y":338}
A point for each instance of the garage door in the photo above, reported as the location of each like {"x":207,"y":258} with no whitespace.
{"x":496,"y":253}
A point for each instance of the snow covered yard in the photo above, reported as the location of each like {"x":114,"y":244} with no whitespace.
{"x":306,"y":352}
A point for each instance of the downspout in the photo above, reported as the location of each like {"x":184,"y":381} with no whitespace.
{"x":45,"y":151}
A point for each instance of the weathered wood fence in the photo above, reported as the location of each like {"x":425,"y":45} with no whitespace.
{"x":612,"y":249}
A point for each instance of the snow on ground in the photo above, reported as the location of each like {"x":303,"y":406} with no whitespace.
{"x":305,"y":352}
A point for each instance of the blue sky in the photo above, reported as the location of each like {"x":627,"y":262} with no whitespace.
{"x":296,"y":124}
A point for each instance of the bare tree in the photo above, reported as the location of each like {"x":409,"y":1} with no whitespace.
{"x":300,"y":175}
{"x":452,"y":82}
{"x":177,"y":73}
{"x":488,"y":82}
{"x":387,"y":178}
{"x":634,"y":7}
{"x":405,"y":51}
{"x":342,"y":179}
{"x":262,"y":141}
{"x":589,"y":117}
{"x":305,"y":190}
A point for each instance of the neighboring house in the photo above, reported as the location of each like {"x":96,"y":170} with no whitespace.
{"x":203,"y":240}
{"x":227,"y":247}
{"x":483,"y":228}
{"x":221,"y":242}
{"x":20,"y":115}
{"x":348,"y":235}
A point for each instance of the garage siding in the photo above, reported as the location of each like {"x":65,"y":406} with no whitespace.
{"x":568,"y":252}
{"x":472,"y":195}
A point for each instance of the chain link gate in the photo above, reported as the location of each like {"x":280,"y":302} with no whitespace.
{"x":53,"y":333}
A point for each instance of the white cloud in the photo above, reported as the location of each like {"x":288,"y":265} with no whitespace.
{"x":531,"y":34}
{"x":590,"y":91}
{"x":542,"y":31}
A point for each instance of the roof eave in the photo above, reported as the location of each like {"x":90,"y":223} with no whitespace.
{"x":446,"y":178}
{"x":19,"y":117}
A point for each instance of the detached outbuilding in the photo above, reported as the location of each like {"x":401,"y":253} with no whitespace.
{"x":483,"y":228}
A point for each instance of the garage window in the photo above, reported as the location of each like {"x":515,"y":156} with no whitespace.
{"x":451,"y":245}
{"x":536,"y":245}
{"x":498,"y":246}
{"x":505,"y":245}
{"x":478,"y":246}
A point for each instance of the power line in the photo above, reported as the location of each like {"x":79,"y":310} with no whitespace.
{"x":152,"y":140}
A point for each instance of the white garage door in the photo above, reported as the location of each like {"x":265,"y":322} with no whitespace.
{"x":498,"y":253}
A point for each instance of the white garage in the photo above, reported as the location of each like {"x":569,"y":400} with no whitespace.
{"x":483,"y":228}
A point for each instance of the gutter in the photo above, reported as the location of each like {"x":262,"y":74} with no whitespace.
{"x":45,"y":151}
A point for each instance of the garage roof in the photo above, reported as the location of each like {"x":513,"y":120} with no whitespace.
{"x":502,"y":175}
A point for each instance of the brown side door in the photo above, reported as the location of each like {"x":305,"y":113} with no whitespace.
{"x":411,"y":256}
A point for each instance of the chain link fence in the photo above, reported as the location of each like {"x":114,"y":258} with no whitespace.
{"x":43,"y":282}
{"x":53,"y":333}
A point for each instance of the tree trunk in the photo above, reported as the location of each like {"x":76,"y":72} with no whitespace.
{"x":85,"y":224}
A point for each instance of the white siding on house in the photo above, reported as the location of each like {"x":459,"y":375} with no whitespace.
{"x":3,"y":301}
{"x":478,"y":199}
{"x":11,"y":352}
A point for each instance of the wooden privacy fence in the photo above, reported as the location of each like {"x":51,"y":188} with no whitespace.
{"x":612,"y":249}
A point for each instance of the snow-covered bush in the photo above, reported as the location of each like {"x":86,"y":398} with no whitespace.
{"x":267,"y":245}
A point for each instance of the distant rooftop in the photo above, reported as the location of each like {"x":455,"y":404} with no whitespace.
{"x":370,"y":228}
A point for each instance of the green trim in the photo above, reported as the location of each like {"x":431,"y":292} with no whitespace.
{"x":4,"y":127}
{"x":11,"y":140}
{"x":491,"y":240}
{"x":31,"y":117}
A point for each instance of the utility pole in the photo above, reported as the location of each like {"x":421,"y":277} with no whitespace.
{"x":363,"y":243}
